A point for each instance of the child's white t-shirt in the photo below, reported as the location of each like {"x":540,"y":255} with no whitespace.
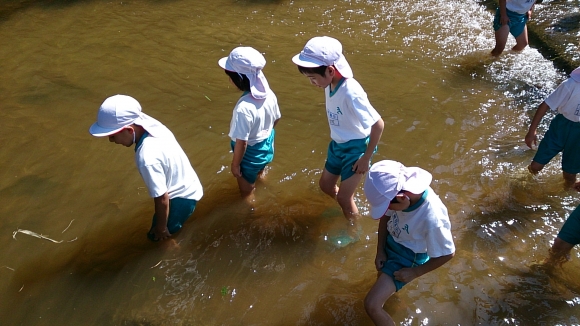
{"x":566,"y":100}
{"x":349,"y":112}
{"x":253,"y":119}
{"x":164,"y":167}
{"x":424,"y":229}
{"x":519,"y":6}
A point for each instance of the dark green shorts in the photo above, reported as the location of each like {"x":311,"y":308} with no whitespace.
{"x":570,"y":231}
{"x":256,"y":157}
{"x":399,"y":256}
{"x":342,"y":156}
{"x":180,"y":210}
{"x":562,"y":136}
{"x":516,"y":24}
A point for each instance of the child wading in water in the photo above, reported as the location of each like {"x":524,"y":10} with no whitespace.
{"x":511,"y":17}
{"x":563,"y":135}
{"x":355,"y":126}
{"x":255,"y":115}
{"x":567,"y":238}
{"x":414,"y":235}
{"x":168,"y":175}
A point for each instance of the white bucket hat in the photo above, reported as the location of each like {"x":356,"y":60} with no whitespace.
{"x":250,"y":62}
{"x":575,"y":74}
{"x":386,"y":179}
{"x":323,"y":51}
{"x":120,"y":111}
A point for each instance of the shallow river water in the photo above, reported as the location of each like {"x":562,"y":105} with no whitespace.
{"x":448,"y":107}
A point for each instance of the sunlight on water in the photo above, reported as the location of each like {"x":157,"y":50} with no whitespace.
{"x":286,"y":258}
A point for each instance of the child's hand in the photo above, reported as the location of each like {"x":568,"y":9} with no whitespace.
{"x":380,"y":260}
{"x":531,"y":138}
{"x":405,"y":275}
{"x":236,"y":170}
{"x":362,"y":165}
{"x":504,"y":20}
{"x":160,"y":233}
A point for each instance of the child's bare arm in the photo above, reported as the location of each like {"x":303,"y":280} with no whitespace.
{"x":531,"y":137}
{"x":160,"y":230}
{"x":503,"y":17}
{"x":239,"y":151}
{"x":363,"y":163}
{"x":381,"y":256}
{"x":408,"y":274}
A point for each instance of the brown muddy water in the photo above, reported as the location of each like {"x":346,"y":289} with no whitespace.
{"x":447,"y":106}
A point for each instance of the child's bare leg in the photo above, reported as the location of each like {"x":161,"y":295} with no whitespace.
{"x":521,"y":40}
{"x":560,"y":252}
{"x":246,"y":188}
{"x":569,"y":179}
{"x":501,"y":36}
{"x":327,"y":183}
{"x":382,"y":290}
{"x":535,"y":167}
{"x":345,"y":197}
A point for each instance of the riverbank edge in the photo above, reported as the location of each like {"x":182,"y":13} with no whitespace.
{"x":550,"y":47}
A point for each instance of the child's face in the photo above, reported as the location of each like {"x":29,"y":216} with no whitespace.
{"x":123,"y":137}
{"x":400,"y":202}
{"x":318,"y":80}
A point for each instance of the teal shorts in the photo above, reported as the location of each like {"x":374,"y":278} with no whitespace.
{"x":341,"y":157}
{"x":570,"y":231}
{"x":399,"y":256}
{"x":180,"y":210}
{"x":562,"y":136}
{"x":256,"y":157}
{"x":516,"y":24}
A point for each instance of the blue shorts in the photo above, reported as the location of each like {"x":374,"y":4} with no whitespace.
{"x":516,"y":24}
{"x":562,"y":136}
{"x":256,"y":157}
{"x":180,"y":210}
{"x":570,"y":231}
{"x":341,"y":157}
{"x":399,"y":256}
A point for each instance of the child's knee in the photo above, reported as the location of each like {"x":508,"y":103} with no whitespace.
{"x":371,"y":305}
{"x":328,"y":188}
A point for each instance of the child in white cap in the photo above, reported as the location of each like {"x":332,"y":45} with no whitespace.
{"x":564,"y":131}
{"x":168,"y":175}
{"x":414,"y":234}
{"x":511,"y":17}
{"x":355,"y":126}
{"x":255,"y":115}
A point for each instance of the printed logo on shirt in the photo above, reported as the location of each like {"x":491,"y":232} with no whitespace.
{"x":394,"y":226}
{"x":333,"y":118}
{"x":338,"y":110}
{"x":395,"y":230}
{"x":577,"y":112}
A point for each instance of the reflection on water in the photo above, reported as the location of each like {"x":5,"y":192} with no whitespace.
{"x":448,"y":107}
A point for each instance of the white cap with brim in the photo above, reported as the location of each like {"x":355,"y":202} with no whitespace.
{"x":387,"y":178}
{"x":250,"y":62}
{"x":120,"y":111}
{"x":323,"y":51}
{"x":575,"y":74}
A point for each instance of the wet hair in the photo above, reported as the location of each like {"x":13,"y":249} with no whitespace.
{"x":316,"y":70}
{"x":240,"y":80}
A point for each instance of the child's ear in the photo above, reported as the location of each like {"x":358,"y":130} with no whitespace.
{"x":331,"y":71}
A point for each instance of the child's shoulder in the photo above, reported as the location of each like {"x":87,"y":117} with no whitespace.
{"x":353,"y":87}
